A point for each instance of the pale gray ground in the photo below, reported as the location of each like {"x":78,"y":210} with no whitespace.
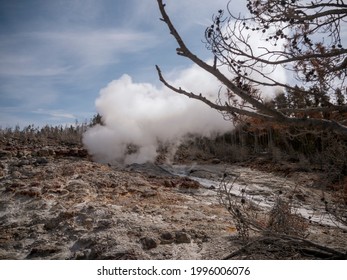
{"x":60,"y":205}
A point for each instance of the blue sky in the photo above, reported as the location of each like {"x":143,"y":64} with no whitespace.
{"x":55,"y":56}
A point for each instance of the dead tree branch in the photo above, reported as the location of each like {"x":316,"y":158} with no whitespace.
{"x":257,"y":108}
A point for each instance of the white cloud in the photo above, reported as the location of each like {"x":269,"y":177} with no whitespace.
{"x":15,"y":115}
{"x":27,"y":93}
{"x":29,"y":66}
{"x":187,"y":14}
{"x":60,"y":53}
{"x":99,"y":47}
{"x":56,"y":114}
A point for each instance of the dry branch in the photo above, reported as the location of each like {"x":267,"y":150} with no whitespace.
{"x":250,"y":105}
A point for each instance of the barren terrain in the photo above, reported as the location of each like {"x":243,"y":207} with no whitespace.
{"x":56,"y":203}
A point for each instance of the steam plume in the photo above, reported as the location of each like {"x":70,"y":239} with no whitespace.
{"x":143,"y":115}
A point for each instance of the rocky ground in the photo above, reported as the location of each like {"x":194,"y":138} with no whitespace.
{"x":56,"y":203}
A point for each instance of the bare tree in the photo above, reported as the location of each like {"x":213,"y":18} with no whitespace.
{"x":292,"y":32}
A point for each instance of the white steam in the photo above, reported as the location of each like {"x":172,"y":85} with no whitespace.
{"x":144,"y":115}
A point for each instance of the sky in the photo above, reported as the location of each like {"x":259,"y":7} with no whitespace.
{"x":57,"y":56}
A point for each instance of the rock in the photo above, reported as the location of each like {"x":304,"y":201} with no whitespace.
{"x":216,"y":161}
{"x":55,"y":223}
{"x":136,"y":209}
{"x":15,"y":186}
{"x":183,"y":183}
{"x":202,"y":235}
{"x":182,"y":237}
{"x":187,"y":183}
{"x":169,"y":184}
{"x":21,"y":163}
{"x":20,"y":154}
{"x":121,"y":255}
{"x":41,"y":160}
{"x":124,"y":255}
{"x":148,"y":243}
{"x":103,"y":224}
{"x":148,"y":193}
{"x":167,"y":238}
{"x":5,"y":154}
{"x":71,"y":152}
{"x":45,"y":152}
{"x":42,"y":251}
{"x":300,"y":197}
{"x":85,"y":242}
{"x":29,"y":192}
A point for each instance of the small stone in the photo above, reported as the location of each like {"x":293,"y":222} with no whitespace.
{"x":167,"y":238}
{"x":41,"y":161}
{"x":149,"y":193}
{"x":300,"y":197}
{"x":88,"y":223}
{"x":42,"y":252}
{"x":23,"y":162}
{"x":136,"y":209}
{"x":121,"y":255}
{"x":187,"y":183}
{"x":182,"y":237}
{"x":5,"y":154}
{"x":169,"y":184}
{"x":103,"y":224}
{"x":45,"y":152}
{"x":148,"y":243}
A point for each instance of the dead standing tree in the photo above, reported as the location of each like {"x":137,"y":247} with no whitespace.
{"x":319,"y":65}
